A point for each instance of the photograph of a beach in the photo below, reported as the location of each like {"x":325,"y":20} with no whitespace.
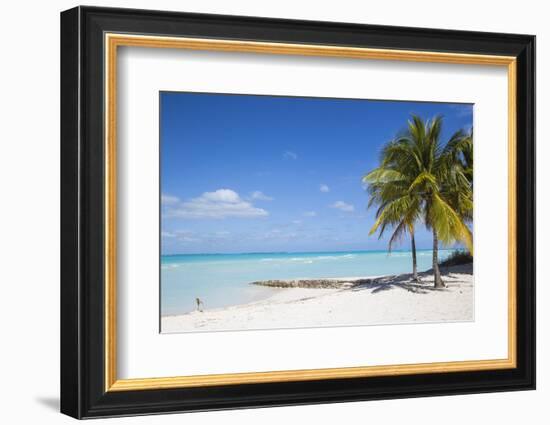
{"x":281,"y":212}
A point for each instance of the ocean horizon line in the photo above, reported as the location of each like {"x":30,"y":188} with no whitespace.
{"x":307,"y":252}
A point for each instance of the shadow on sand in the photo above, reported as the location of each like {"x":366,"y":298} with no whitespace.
{"x":406,"y":282}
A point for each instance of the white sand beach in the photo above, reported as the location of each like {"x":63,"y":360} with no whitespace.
{"x":382,"y":300}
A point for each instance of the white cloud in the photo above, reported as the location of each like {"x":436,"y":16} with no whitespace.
{"x":324,"y":188}
{"x":260,"y":196}
{"x":296,"y":221}
{"x":168,"y":199}
{"x":181,"y":236}
{"x":219,"y":204}
{"x":342,"y":206}
{"x":290,"y":155}
{"x":187,"y":237}
{"x":310,"y":214}
{"x":276,"y":234}
{"x":221,"y":195}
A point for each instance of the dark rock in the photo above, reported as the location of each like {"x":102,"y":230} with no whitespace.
{"x":313,"y":283}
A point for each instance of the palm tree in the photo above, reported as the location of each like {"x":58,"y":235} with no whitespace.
{"x":397,"y":208}
{"x":465,"y":156}
{"x":458,"y":183}
{"x":431,"y":184}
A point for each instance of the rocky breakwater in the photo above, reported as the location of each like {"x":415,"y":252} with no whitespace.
{"x":314,"y":283}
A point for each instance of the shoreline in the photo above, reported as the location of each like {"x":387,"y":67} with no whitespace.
{"x":343,"y":301}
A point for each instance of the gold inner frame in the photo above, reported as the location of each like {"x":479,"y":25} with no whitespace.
{"x":113,"y":41}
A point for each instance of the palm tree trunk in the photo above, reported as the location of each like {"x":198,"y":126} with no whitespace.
{"x":413,"y":248}
{"x":438,"y":282}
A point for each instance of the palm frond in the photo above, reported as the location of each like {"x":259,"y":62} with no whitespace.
{"x":419,"y":177}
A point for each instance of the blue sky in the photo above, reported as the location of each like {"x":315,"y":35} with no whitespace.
{"x":242,"y":173}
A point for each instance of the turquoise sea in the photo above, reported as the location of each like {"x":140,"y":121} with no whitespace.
{"x":222,"y":280}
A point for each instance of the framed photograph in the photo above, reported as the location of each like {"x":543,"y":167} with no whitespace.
{"x":261,"y":212}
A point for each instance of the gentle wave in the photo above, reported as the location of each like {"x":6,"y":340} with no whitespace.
{"x":309,"y":260}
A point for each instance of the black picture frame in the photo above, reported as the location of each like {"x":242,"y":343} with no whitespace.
{"x":83,"y":392}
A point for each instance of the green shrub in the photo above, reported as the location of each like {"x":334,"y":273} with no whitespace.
{"x":457,"y":258}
